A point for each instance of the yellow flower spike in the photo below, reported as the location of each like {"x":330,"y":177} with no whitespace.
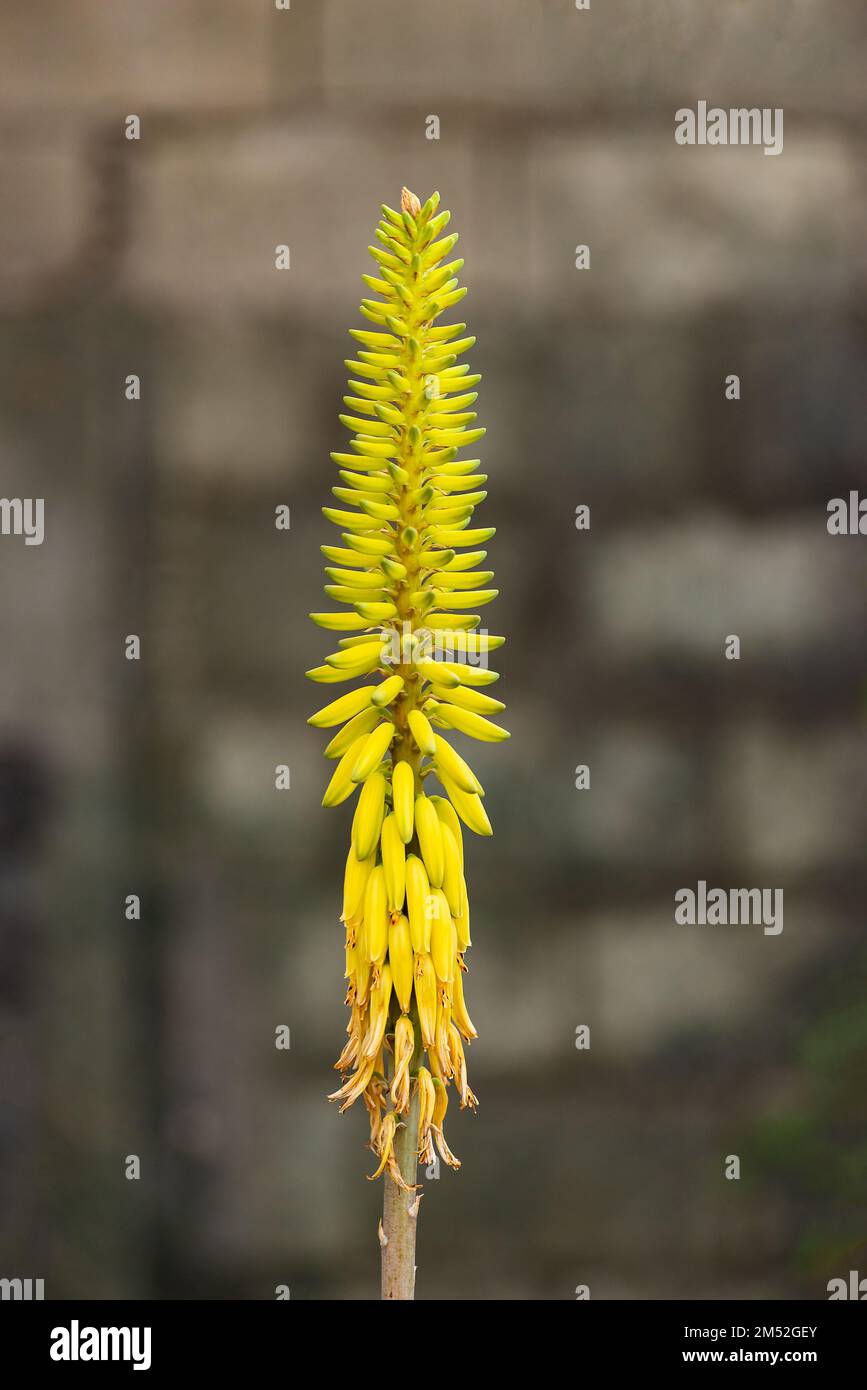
{"x":427,"y":828}
{"x":400,"y":958}
{"x":393,"y":852}
{"x":403,"y":798}
{"x":417,"y":894}
{"x":407,"y":580}
{"x":376,"y":916}
{"x":404,"y":1048}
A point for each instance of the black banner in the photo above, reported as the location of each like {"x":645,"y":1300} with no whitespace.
{"x":75,"y":1339}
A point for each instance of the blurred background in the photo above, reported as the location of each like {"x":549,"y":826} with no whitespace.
{"x":708,"y":518}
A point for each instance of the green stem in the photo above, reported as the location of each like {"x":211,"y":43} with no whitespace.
{"x":400,"y":1214}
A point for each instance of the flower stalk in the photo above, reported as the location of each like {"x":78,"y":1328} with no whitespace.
{"x":406,"y":574}
{"x":400,"y":1215}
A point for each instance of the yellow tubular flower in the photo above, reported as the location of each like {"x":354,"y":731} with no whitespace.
{"x":427,"y":1103}
{"x":400,"y":958}
{"x":383,"y":1141}
{"x":426,"y":998}
{"x":441,"y":1105}
{"x":406,"y":571}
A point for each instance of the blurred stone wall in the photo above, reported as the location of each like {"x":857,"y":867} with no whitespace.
{"x":602,"y":387}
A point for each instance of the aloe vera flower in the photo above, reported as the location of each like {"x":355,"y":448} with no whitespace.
{"x":406,"y":574}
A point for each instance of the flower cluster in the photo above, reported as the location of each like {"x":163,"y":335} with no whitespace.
{"x":406,"y":574}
